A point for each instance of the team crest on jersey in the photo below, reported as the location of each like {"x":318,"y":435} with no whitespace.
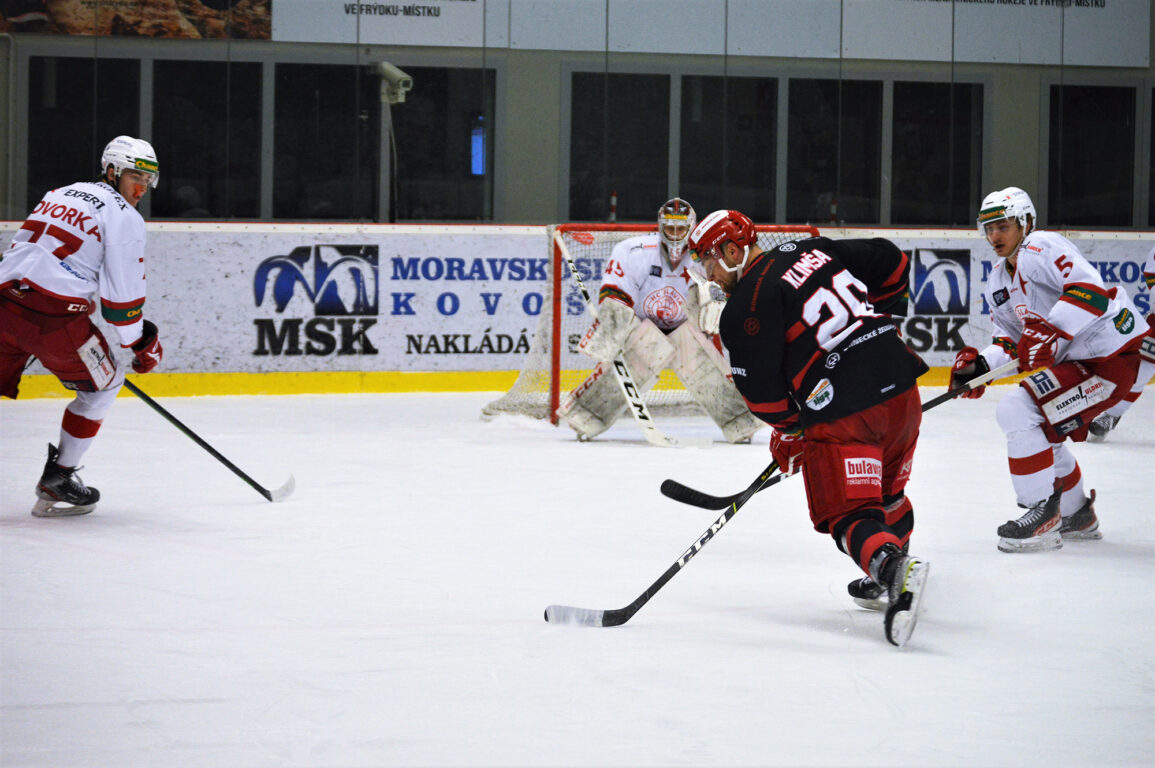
{"x":821,"y":396}
{"x":751,"y":326}
{"x":832,"y":360}
{"x":665,"y":306}
{"x":787,"y":247}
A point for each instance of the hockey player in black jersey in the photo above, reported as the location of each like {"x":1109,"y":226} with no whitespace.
{"x":816,"y":355}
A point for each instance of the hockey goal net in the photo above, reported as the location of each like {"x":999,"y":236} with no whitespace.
{"x":553,"y":366}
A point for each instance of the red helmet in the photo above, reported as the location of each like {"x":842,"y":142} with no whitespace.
{"x":718,"y":228}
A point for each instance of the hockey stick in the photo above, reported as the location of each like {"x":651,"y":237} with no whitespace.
{"x":678,"y":492}
{"x":592,"y":617}
{"x":625,"y":378}
{"x":277,"y":494}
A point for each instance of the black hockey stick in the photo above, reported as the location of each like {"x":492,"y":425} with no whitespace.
{"x":695,"y":498}
{"x":591,"y":617}
{"x":277,"y":494}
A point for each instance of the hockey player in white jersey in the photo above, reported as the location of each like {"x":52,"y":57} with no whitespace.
{"x":648,"y":311}
{"x":81,"y":244}
{"x":1051,"y":311}
{"x":1108,"y":420}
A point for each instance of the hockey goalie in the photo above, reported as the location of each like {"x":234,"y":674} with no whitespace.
{"x":648,"y":311}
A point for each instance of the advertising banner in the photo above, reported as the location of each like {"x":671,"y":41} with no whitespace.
{"x":202,"y":19}
{"x":255,"y":298}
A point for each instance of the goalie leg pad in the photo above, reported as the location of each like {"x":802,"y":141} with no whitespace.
{"x":595,"y":404}
{"x":704,"y":372}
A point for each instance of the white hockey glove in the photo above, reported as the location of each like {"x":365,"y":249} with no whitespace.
{"x":711,"y":301}
{"x":605,"y":337}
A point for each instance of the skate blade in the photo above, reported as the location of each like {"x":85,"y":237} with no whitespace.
{"x":877,"y":604}
{"x":47,"y":508}
{"x":1045,"y":543}
{"x":900,"y":621}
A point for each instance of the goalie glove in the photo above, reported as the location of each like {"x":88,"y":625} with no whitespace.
{"x":1037,"y":344}
{"x":147,"y":352}
{"x":968,"y":364}
{"x":605,"y":337}
{"x":786,"y":448}
{"x":711,"y":302}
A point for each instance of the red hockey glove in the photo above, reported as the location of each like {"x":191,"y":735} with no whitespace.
{"x":968,"y":364}
{"x":1037,"y":344}
{"x":786,"y":448}
{"x":146,"y":353}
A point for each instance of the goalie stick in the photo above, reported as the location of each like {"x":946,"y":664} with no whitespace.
{"x":277,"y":494}
{"x":625,"y":378}
{"x":592,"y":617}
{"x":674,"y":490}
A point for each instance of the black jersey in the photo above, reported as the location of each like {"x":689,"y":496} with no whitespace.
{"x":805,"y":343}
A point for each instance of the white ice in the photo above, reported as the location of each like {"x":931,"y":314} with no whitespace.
{"x":390,"y":611}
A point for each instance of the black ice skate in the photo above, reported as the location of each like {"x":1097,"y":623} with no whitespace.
{"x":1084,"y":524}
{"x":1097,"y":430}
{"x":868,"y":593}
{"x":60,"y":485}
{"x":1035,"y":531}
{"x":905,"y":580}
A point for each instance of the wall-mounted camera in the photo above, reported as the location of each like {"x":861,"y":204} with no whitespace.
{"x":394,"y":82}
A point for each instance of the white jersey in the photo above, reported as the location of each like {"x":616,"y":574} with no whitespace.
{"x":1149,"y":271}
{"x":638,"y":276}
{"x":83,"y":242}
{"x":1052,"y":280}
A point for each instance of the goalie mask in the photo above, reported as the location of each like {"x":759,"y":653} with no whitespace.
{"x":717,"y":229}
{"x":676,"y":220}
{"x":1009,"y":203}
{"x":124,"y":153}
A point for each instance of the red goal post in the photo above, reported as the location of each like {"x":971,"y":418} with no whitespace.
{"x":553,"y":365}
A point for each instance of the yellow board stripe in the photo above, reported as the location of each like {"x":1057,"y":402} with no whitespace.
{"x":335,"y":382}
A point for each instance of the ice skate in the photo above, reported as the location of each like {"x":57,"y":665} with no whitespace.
{"x":1084,"y":524}
{"x":868,"y":593}
{"x":60,"y":486}
{"x":1036,"y":531}
{"x":1100,"y":426}
{"x":905,"y":579}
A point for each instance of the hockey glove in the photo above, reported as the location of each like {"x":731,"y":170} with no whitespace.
{"x":146,"y":353}
{"x":712,"y":300}
{"x":786,"y":448}
{"x":1037,"y":344}
{"x":968,"y":364}
{"x":608,"y":333}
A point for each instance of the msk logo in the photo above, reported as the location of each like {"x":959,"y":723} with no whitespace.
{"x":337,"y":279}
{"x":941,"y":281}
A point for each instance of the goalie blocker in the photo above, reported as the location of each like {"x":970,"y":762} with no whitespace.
{"x":595,"y":404}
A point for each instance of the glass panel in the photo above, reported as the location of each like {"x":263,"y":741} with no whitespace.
{"x":1092,"y":156}
{"x":620,"y":129}
{"x":207,"y":128}
{"x":834,"y":151}
{"x":729,"y":143}
{"x":444,"y":132}
{"x":75,"y":107}
{"x":937,"y":153}
{"x":326,"y":128}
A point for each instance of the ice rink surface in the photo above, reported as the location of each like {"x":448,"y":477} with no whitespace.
{"x":389,"y":613}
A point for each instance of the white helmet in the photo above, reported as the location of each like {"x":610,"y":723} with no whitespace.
{"x":676,"y":220}
{"x":1009,"y":203}
{"x":124,"y":153}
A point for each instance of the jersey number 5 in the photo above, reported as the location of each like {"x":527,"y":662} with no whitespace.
{"x":837,"y":311}
{"x":69,"y":243}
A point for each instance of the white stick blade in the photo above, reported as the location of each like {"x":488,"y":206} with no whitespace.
{"x":282,"y":493}
{"x":567,"y":614}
